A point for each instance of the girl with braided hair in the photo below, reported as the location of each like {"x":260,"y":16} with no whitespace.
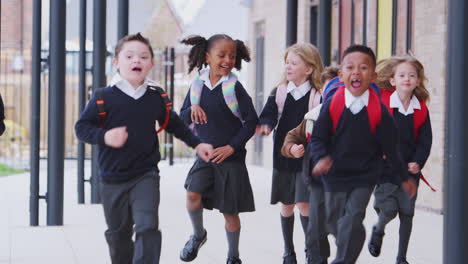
{"x":222,"y":113}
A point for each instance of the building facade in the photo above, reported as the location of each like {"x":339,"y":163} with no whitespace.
{"x":389,"y":27}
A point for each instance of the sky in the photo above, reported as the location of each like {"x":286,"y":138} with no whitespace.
{"x":187,"y":9}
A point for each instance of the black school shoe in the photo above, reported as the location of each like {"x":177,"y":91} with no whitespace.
{"x":401,"y":260}
{"x":233,"y":260}
{"x":289,"y":258}
{"x":375,"y":242}
{"x":190,"y":250}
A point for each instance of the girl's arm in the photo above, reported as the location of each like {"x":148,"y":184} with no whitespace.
{"x":296,"y":136}
{"x":249,"y":115}
{"x":269,"y":115}
{"x":186,"y":111}
{"x":423,"y":147}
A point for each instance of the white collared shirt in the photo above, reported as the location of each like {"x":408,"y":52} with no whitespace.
{"x":298,"y":92}
{"x":395,"y":102}
{"x":356,"y":104}
{"x":127,"y":88}
{"x":205,"y":76}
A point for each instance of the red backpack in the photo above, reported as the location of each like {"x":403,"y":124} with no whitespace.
{"x":337,"y":105}
{"x":419,"y":117}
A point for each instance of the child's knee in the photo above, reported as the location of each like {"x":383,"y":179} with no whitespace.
{"x":287,"y":210}
{"x":193,"y":197}
{"x":303,"y":208}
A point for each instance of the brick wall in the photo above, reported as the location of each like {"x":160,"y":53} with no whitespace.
{"x":429,"y":42}
{"x":429,"y":37}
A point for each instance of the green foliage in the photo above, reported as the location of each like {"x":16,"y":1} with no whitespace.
{"x":6,"y":170}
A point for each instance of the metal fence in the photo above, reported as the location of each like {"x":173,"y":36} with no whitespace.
{"x":15,"y":89}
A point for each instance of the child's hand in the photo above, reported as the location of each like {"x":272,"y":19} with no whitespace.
{"x":204,"y":151}
{"x":221,"y":153}
{"x":297,"y":151}
{"x":263,"y":130}
{"x":413,"y":167}
{"x":198,"y":115}
{"x":322,"y":166}
{"x":116,"y":137}
{"x":410,"y":187}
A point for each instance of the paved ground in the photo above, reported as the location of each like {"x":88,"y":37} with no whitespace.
{"x":81,"y":238}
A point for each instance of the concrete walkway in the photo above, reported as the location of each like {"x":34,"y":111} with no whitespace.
{"x":81,"y":239}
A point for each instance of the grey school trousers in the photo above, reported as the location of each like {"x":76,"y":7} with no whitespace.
{"x":133,"y":207}
{"x":345,"y":213}
{"x":317,"y":244}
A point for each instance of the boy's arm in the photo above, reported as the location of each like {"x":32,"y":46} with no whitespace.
{"x":423,"y":147}
{"x":321,"y":135}
{"x":249,"y":116}
{"x":87,"y":127}
{"x":269,"y":115}
{"x":186,"y":111}
{"x":2,"y":117}
{"x":295,"y":136}
{"x":387,"y":134}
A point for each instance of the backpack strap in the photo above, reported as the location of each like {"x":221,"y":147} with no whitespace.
{"x":385,"y":95}
{"x":314,"y":98}
{"x":98,"y":94}
{"x":167,"y":103}
{"x":280,"y":97}
{"x":419,"y":117}
{"x":337,"y":105}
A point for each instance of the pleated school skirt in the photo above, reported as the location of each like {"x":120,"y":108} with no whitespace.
{"x":225,"y":186}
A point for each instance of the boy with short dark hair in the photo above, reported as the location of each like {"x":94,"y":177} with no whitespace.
{"x":129,"y":151}
{"x":349,"y":136}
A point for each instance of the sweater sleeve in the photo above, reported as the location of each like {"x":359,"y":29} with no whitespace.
{"x":321,"y":135}
{"x":424,"y":144}
{"x":87,"y":127}
{"x":186,"y":111}
{"x":269,"y":115}
{"x":249,"y":116}
{"x":2,"y":116}
{"x":294,"y":136}
{"x":387,"y":133}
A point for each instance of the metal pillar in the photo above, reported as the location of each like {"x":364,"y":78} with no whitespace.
{"x":456,"y":158}
{"x":122,"y":19}
{"x":82,"y":99}
{"x":171,"y":136}
{"x":99,"y":80}
{"x":291,"y":22}
{"x":35,"y":114}
{"x":324,"y":31}
{"x":56,"y":135}
{"x":165,"y":65}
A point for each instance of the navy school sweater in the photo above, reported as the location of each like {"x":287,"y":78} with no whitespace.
{"x":140,"y":153}
{"x":223,"y":127}
{"x":292,"y":116}
{"x":410,"y":149}
{"x":355,"y":151}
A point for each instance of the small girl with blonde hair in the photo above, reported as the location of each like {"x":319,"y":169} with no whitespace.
{"x":298,"y":92}
{"x":402,"y":81}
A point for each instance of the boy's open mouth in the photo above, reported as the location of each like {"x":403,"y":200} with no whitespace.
{"x":137,"y":69}
{"x":356,"y":84}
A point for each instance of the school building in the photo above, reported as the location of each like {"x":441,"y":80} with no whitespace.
{"x":390,"y":27}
